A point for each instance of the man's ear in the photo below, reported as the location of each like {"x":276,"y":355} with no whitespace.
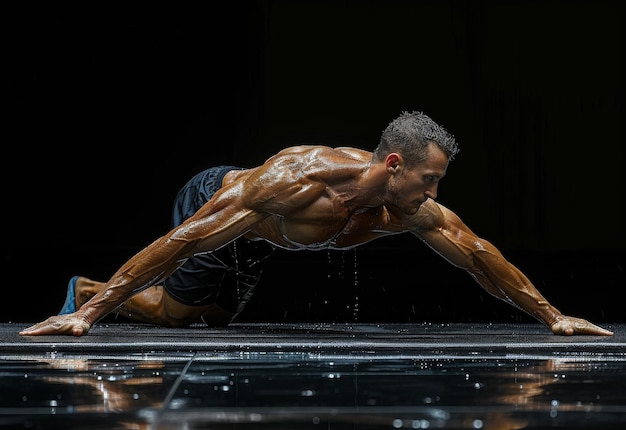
{"x":392,"y":162}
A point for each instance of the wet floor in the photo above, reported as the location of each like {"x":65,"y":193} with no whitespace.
{"x":314,"y":376}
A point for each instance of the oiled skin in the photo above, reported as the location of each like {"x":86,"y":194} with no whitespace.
{"x":317,"y":197}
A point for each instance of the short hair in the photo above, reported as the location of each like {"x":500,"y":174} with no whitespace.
{"x":410,"y":134}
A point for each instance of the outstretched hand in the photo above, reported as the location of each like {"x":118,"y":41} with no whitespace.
{"x":568,"y":326}
{"x":70,"y":324}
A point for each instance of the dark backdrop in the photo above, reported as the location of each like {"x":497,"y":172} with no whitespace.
{"x":109,"y":110}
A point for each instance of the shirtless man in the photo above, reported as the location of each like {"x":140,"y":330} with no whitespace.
{"x":304,"y":197}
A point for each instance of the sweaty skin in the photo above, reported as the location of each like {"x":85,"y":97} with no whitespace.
{"x":317,"y":197}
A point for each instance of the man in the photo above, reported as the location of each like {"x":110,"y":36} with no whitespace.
{"x":304,"y":197}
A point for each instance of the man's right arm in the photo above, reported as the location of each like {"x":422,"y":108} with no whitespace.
{"x":218,"y":222}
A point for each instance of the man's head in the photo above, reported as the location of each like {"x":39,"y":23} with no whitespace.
{"x":410,"y":134}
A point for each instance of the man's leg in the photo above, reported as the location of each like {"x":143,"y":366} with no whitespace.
{"x":155,"y":306}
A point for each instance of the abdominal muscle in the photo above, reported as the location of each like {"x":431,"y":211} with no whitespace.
{"x":342,"y":234}
{"x":296,"y":235}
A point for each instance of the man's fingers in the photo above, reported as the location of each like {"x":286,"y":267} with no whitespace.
{"x":571,"y":326}
{"x":60,"y":324}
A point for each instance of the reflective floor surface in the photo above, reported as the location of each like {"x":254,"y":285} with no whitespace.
{"x":313,"y":376}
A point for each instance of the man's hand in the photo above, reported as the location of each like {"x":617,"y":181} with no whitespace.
{"x":70,"y":324}
{"x":568,"y":326}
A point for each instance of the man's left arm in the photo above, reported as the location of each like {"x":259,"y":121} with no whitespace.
{"x":445,"y":233}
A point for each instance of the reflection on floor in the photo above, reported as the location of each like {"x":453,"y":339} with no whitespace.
{"x":313,"y":376}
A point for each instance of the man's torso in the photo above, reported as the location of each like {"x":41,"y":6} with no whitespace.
{"x":306,"y":201}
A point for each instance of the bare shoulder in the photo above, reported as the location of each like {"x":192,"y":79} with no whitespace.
{"x":315,"y":162}
{"x":356,"y":153}
{"x":432,"y":216}
{"x":299,"y":175}
{"x":285,"y":165}
{"x":315,"y":151}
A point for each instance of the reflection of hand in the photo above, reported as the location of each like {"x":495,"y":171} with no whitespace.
{"x":568,"y":326}
{"x":73,"y":324}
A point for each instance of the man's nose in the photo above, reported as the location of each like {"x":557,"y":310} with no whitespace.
{"x":431,"y":192}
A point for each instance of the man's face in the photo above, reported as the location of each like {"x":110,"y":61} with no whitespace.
{"x":409,"y":188}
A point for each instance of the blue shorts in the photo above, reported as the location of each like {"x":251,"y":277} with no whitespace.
{"x":226,"y":277}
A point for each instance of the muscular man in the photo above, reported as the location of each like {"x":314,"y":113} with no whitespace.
{"x":304,"y":197}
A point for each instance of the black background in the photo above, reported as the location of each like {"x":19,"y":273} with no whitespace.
{"x":109,"y":110}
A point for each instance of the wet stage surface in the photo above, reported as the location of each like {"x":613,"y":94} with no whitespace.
{"x":313,"y":376}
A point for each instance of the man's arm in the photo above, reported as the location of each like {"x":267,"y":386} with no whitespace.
{"x":217,"y":223}
{"x":444,"y":231}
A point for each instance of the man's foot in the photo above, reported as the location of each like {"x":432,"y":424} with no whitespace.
{"x":69,"y":307}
